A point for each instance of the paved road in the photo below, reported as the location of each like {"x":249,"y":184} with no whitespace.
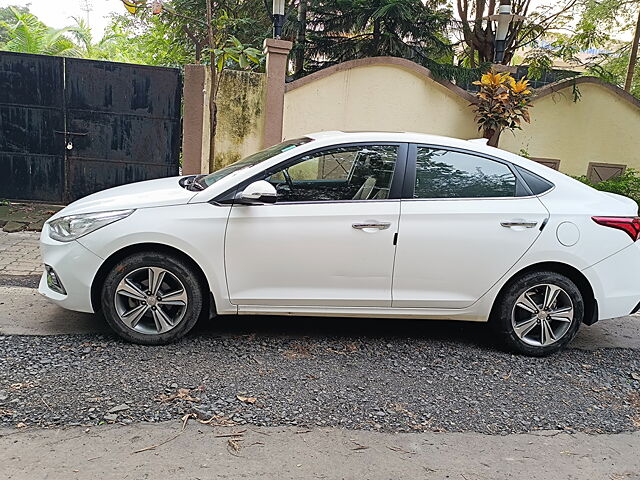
{"x":20,"y":253}
{"x":24,"y":312}
{"x":204,"y":452}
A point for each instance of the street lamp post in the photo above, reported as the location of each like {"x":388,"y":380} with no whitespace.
{"x":503,"y":19}
{"x":278,"y":18}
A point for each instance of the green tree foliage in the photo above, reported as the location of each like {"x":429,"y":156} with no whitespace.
{"x":182,"y":29}
{"x":340,"y":30}
{"x":147,"y":41}
{"x":598,"y":24}
{"x":8,"y":18}
{"x":26,"y":34}
{"x":627,"y":184}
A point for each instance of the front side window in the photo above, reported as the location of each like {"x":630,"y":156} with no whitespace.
{"x":252,"y":160}
{"x":448,"y":174}
{"x":361,"y":172}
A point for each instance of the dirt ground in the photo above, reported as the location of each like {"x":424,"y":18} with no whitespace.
{"x":203,"y":452}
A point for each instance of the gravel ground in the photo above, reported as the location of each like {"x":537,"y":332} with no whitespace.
{"x":419,"y":382}
{"x":30,"y":281}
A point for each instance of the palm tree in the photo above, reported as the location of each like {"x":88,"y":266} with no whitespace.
{"x":30,"y":35}
{"x":346,"y":29}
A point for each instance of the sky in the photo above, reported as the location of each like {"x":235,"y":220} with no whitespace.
{"x":58,"y":13}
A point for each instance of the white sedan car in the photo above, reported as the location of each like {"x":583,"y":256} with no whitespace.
{"x":352,"y":225}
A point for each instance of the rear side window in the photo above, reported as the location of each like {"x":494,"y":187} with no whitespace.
{"x":536,"y":183}
{"x":448,"y":174}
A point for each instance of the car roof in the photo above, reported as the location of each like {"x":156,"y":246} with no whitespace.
{"x":478,"y":145}
{"x":338,"y":136}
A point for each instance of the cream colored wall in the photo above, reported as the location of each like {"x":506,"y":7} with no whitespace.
{"x":377,"y":97}
{"x":240,"y":116}
{"x":601,"y":127}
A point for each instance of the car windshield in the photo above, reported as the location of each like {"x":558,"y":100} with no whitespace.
{"x":252,"y":160}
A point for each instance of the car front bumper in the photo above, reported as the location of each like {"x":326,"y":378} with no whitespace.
{"x":75,"y":266}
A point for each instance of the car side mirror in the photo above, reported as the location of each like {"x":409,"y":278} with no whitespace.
{"x":257,"y":193}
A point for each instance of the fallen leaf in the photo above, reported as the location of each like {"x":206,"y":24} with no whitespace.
{"x":250,"y":400}
{"x":234,"y":444}
{"x":181,"y":394}
{"x":185,"y":419}
{"x":21,"y":425}
{"x":218,"y":421}
{"x":20,"y":386}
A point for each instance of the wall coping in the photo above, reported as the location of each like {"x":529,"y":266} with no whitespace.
{"x":426,"y":73}
{"x":374,"y":61}
{"x":570,"y":82}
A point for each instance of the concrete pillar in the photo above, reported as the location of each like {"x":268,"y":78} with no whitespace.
{"x":277,"y":52}
{"x":196,"y":120}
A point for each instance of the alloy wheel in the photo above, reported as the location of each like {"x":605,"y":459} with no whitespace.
{"x":542,"y":315}
{"x":151,"y":300}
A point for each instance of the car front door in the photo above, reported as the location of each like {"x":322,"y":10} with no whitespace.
{"x":466,"y":220}
{"x":329,"y":238}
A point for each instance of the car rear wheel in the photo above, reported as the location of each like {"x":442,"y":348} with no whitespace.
{"x":152,"y":298}
{"x":538,"y":313}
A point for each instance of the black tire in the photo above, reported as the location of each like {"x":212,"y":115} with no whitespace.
{"x":505,"y":306}
{"x":181,"y":270}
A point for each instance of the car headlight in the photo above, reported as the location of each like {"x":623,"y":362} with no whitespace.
{"x":66,"y":229}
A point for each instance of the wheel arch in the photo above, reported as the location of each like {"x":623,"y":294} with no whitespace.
{"x":577,"y":277}
{"x":115,"y":257}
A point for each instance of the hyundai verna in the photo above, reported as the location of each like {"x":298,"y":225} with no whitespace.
{"x":396,"y":225}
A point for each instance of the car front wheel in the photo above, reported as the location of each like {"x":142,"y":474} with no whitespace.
{"x":152,"y":298}
{"x":539,"y":313}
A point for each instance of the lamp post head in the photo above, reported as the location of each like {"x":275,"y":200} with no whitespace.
{"x":278,"y":18}
{"x":503,"y":19}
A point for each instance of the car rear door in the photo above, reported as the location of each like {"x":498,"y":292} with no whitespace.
{"x":465,"y":220}
{"x":329,"y":238}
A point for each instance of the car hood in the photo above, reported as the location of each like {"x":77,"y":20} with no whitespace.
{"x":151,"y":193}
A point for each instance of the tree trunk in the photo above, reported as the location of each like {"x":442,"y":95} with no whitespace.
{"x":301,"y":39}
{"x":213,"y":107}
{"x":376,"y":36}
{"x":492,"y":136}
{"x":633,"y":57}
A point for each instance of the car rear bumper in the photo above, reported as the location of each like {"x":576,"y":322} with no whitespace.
{"x":615,"y":283}
{"x":75,"y":266}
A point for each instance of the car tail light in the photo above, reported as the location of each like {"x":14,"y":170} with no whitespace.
{"x":630,"y":225}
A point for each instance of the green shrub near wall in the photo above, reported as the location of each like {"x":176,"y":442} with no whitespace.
{"x":627,"y":184}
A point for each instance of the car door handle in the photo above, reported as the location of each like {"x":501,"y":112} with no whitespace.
{"x":378,"y":225}
{"x":519,"y":223}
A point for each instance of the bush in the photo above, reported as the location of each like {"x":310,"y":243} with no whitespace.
{"x":627,"y":184}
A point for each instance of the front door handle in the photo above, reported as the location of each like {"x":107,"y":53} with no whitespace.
{"x":377,"y":225}
{"x":519,"y":223}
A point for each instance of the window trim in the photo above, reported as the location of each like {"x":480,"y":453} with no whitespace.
{"x":395,"y":190}
{"x":408,"y":190}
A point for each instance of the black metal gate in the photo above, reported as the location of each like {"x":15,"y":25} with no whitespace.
{"x":71,"y":127}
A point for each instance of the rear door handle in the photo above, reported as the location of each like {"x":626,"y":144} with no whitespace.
{"x":378,"y":225}
{"x":519,"y":223}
